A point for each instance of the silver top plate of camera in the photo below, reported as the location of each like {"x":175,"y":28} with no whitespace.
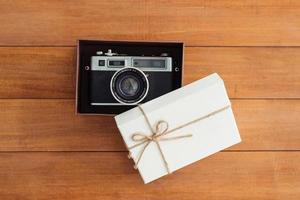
{"x":144,"y":63}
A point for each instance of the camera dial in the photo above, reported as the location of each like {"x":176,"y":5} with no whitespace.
{"x":110,"y":53}
{"x":129,"y":85}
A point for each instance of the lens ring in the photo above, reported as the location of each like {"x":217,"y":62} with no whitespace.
{"x":129,"y":85}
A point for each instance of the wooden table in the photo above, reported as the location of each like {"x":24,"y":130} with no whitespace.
{"x":47,"y":152}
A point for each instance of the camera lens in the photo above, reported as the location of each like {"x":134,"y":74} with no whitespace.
{"x":129,"y":85}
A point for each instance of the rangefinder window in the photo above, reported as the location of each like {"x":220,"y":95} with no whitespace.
{"x":116,"y":63}
{"x":149,"y":63}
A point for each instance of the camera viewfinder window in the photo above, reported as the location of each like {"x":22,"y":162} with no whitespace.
{"x":116,"y":63}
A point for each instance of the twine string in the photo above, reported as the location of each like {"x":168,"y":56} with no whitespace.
{"x":158,"y":134}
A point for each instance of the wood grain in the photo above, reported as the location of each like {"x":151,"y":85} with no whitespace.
{"x":248,"y":72}
{"x":48,"y":152}
{"x":51,"y":125}
{"x":37,"y":72}
{"x":110,"y":175}
{"x":49,"y":72}
{"x":197,"y":23}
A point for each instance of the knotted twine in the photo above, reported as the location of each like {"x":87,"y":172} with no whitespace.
{"x":158,"y":134}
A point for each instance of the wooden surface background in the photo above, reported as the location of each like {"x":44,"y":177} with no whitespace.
{"x":47,"y":152}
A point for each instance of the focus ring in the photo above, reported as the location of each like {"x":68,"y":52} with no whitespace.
{"x":129,"y":85}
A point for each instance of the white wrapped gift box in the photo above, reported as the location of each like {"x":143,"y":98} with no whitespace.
{"x":203,"y":110}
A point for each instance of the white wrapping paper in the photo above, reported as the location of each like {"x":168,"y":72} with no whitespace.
{"x":179,"y":107}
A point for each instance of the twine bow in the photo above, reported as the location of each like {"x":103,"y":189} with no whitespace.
{"x":159,"y":133}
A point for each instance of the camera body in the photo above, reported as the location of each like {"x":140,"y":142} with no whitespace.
{"x":119,"y":79}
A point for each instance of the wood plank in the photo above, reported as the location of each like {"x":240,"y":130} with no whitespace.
{"x":234,"y":175}
{"x":49,"y":72}
{"x":63,"y":22}
{"x":221,"y":22}
{"x":226,"y":22}
{"x":37,"y":72}
{"x":248,"y":72}
{"x":51,"y":125}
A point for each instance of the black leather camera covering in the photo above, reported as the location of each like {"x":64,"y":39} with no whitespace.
{"x":161,"y":82}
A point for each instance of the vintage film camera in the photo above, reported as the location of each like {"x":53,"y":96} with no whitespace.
{"x":119,"y":79}
{"x":114,"y":76}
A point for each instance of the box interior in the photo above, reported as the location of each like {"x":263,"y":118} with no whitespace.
{"x":88,"y":48}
